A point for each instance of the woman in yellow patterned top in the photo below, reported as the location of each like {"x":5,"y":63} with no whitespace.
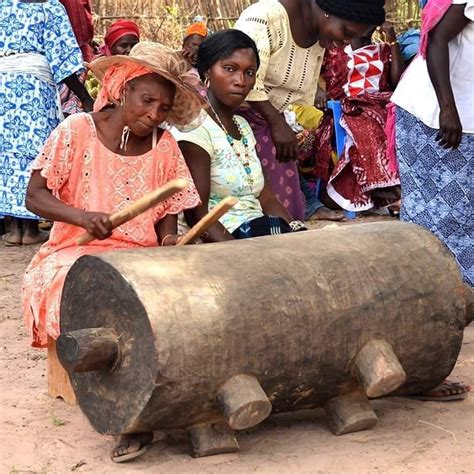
{"x":221,"y":152}
{"x":290,"y":37}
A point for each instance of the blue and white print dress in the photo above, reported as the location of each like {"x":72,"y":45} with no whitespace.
{"x":28,"y":104}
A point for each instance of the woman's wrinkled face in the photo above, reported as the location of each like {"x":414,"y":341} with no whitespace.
{"x":334,"y":31}
{"x":232,"y":78}
{"x":147,"y":102}
{"x":192,"y":42}
{"x":124,"y":45}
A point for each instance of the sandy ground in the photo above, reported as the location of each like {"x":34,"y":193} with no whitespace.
{"x":41,"y":435}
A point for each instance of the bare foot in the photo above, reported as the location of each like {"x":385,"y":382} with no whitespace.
{"x":36,"y":238}
{"x":326,"y":214}
{"x":131,"y":446}
{"x":12,"y":239}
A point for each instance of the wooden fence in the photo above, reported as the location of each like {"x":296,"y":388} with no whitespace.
{"x":165,"y":20}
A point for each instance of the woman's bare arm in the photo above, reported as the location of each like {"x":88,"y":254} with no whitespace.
{"x":199,"y":164}
{"x":437,"y":58}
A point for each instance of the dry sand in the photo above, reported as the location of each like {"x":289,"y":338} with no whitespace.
{"x":41,"y":435}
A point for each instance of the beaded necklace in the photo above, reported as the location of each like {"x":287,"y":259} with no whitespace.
{"x":246,"y":159}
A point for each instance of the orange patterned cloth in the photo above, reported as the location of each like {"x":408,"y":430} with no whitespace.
{"x":83,"y":173}
{"x":114,"y":82}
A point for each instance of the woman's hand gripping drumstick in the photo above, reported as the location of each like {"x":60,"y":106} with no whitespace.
{"x":208,"y":220}
{"x":141,"y":205}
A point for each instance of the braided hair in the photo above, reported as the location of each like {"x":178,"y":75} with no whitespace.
{"x":367,"y":12}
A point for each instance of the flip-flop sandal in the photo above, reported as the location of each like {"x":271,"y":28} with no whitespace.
{"x":441,"y":398}
{"x":444,"y":398}
{"x":394,"y":213}
{"x":130,"y":456}
{"x":144,"y":447}
{"x":7,"y":243}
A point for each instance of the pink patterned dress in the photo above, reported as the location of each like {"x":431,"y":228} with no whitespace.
{"x":83,"y":173}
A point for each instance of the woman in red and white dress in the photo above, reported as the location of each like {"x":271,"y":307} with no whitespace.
{"x":362,"y":76}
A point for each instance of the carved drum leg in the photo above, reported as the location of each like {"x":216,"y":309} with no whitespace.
{"x":350,"y":413}
{"x":244,"y":402}
{"x":378,"y":369}
{"x":208,"y":439}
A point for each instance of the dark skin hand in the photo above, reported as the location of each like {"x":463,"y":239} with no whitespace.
{"x":166,"y":230}
{"x":308,"y":24}
{"x":283,"y":136}
{"x":40,"y":200}
{"x":80,"y":90}
{"x":199,"y":164}
{"x":190,"y":48}
{"x":321,"y":99}
{"x":437,"y":59}
{"x":397,"y":66}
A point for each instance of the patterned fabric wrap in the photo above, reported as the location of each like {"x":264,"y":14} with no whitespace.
{"x":81,"y":172}
{"x":364,"y":166}
{"x":437,"y":187}
{"x":28,"y":106}
{"x":265,"y":225}
{"x":70,"y":103}
{"x":282,"y":177}
{"x":80,"y":16}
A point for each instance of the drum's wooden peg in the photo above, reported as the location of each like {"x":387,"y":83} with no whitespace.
{"x":350,"y":413}
{"x":86,"y":350}
{"x":212,"y":438}
{"x":244,"y":402}
{"x":378,"y":369}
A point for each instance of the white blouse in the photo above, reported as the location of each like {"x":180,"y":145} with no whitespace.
{"x":288,"y":73}
{"x":415,"y":92}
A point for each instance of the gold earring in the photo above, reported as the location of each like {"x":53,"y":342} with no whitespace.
{"x":207,"y":82}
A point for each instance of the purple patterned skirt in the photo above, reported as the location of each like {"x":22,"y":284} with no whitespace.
{"x":282,"y":177}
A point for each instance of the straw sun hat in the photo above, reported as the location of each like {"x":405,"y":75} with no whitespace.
{"x":166,"y":62}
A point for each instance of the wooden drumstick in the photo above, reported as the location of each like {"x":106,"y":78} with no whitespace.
{"x":139,"y":206}
{"x":208,"y":220}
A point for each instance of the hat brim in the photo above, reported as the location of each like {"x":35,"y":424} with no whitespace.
{"x":188,"y":103}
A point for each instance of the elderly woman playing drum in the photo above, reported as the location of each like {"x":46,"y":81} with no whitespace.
{"x":95,"y":164}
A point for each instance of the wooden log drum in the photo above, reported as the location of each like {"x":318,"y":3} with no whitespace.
{"x":214,"y":337}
